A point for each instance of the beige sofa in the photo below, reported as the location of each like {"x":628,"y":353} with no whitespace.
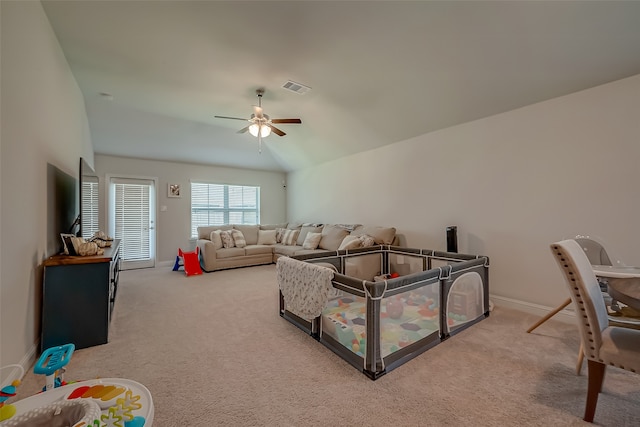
{"x":264,"y":244}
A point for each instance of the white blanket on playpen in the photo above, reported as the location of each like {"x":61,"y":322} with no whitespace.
{"x":306,"y":287}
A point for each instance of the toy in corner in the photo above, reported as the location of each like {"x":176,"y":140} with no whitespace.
{"x":189,"y":261}
{"x":52,"y":362}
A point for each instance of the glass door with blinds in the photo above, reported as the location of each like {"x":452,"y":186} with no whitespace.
{"x":132,"y":219}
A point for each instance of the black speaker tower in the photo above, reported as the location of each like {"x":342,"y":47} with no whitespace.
{"x":452,"y":239}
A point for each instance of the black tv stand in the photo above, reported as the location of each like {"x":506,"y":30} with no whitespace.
{"x":78,"y":296}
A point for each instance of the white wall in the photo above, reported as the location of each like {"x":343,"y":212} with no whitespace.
{"x":512,"y":183}
{"x":173,"y":225}
{"x":43,"y":122}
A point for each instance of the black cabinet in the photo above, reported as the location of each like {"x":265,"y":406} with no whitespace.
{"x":78,"y":296}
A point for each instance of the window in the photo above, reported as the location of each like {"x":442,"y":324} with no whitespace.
{"x":89,"y":208}
{"x":217,"y":204}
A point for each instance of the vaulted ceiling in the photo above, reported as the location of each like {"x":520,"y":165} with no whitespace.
{"x":379,"y":71}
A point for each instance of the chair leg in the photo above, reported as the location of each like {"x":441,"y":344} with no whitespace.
{"x":596,"y":376}
{"x":580,"y":359}
{"x":550,"y":315}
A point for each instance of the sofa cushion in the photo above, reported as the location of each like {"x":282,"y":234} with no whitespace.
{"x":289,"y":237}
{"x":238,"y":238}
{"x":258,"y":249}
{"x":266,"y":237}
{"x":216,"y":239}
{"x":250,"y":233}
{"x":332,"y":236}
{"x":229,"y":253}
{"x":312,"y":240}
{"x":272,"y":226}
{"x":227,"y":239}
{"x":307,"y":229}
{"x":381,"y":235}
{"x":281,"y":249}
{"x":205,"y":231}
{"x":294,"y":226}
{"x":350,"y":242}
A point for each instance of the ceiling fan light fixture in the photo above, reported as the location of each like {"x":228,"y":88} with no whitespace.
{"x":264,"y":131}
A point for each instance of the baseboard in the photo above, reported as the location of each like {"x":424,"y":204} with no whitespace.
{"x":565,"y":315}
{"x":26,"y":362}
{"x":165,"y":263}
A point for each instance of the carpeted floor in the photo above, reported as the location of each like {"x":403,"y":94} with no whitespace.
{"x":213,"y":351}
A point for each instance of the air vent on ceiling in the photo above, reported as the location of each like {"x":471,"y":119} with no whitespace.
{"x":298,"y":88}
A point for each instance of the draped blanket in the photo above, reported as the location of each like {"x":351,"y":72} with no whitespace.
{"x":306,"y":287}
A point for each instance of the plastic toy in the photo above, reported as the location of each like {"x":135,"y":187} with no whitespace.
{"x":105,"y":402}
{"x":190,"y":262}
{"x":52,"y":362}
{"x":7,"y":410}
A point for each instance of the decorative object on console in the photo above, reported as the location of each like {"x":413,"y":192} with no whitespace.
{"x":101,"y":239}
{"x":68,"y":247}
{"x":85,"y":248}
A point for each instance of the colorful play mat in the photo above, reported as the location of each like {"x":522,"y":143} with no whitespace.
{"x":105,"y":402}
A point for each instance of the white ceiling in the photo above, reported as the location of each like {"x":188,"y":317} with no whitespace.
{"x":380,"y":71}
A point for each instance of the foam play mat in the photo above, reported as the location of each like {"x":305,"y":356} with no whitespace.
{"x":105,"y":402}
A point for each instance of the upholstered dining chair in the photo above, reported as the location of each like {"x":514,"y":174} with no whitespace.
{"x":603,"y":344}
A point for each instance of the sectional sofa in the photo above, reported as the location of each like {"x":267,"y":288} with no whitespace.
{"x":231,"y":246}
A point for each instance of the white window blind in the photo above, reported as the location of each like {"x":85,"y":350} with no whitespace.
{"x":218,"y":204}
{"x":89,"y":216}
{"x":132,"y":219}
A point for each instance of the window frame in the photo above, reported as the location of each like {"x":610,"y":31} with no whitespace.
{"x":226,"y":209}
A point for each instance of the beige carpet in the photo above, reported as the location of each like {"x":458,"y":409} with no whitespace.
{"x":213,"y":351}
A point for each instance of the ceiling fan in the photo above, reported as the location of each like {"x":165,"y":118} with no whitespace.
{"x":261,"y":125}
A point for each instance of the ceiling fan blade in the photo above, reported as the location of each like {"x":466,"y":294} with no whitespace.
{"x":293,"y":121}
{"x":275,"y":130}
{"x":257,"y":111}
{"x":233,"y":118}
{"x":244,"y":129}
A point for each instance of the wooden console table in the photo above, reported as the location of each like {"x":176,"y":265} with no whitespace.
{"x":78,"y":295}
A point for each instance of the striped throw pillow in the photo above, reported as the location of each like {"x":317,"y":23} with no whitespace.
{"x":289,"y":237}
{"x":238,"y":238}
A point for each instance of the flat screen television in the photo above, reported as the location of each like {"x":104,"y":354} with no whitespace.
{"x":62,"y":207}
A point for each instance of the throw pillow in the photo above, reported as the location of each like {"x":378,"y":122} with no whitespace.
{"x":332,"y":236}
{"x":311,"y":241}
{"x":216,"y":239}
{"x":279,"y":233}
{"x":289,"y":237}
{"x":350,"y":242}
{"x":238,"y":238}
{"x":367,"y":240}
{"x":227,"y":240}
{"x":266,"y":237}
{"x":307,"y":229}
{"x":381,"y":235}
